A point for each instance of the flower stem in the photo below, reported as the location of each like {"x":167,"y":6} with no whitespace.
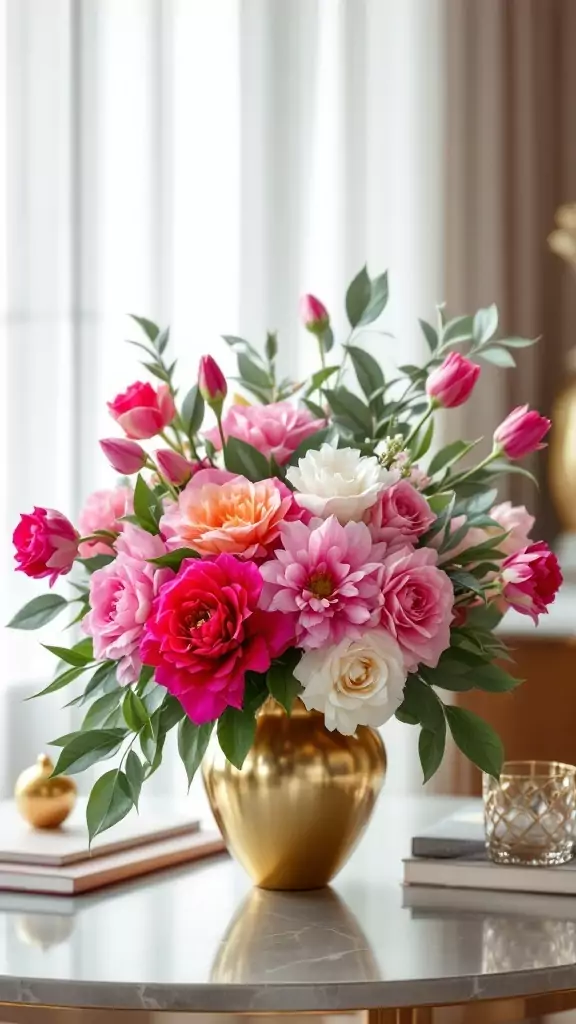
{"x":156,"y":469}
{"x":419,"y":424}
{"x":469,"y":472}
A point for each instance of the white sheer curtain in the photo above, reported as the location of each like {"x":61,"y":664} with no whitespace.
{"x":202,"y":163}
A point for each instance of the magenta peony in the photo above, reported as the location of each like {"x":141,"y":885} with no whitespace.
{"x":103,"y":510}
{"x":400,"y":516}
{"x":324,"y":577}
{"x":531,"y":579}
{"x":143,"y":412}
{"x":452,"y":383}
{"x":121,"y":596}
{"x":521,"y":432}
{"x":206,"y":632}
{"x":417,"y":610}
{"x":275,"y":430}
{"x":46,"y":544}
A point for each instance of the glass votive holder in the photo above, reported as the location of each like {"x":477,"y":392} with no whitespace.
{"x":530,"y":813}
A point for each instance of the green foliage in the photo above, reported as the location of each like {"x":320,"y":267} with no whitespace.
{"x":109,"y":802}
{"x":192,"y":744}
{"x":174,"y":559}
{"x":192,"y":412}
{"x":147,"y":506}
{"x":476,"y":739}
{"x":241,"y":457}
{"x":236,"y":731}
{"x":38,"y":612}
{"x":86,"y":748}
{"x":282,"y":684}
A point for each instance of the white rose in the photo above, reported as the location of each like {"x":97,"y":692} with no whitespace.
{"x":339,"y":482}
{"x":356,"y":682}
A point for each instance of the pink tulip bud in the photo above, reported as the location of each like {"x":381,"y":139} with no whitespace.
{"x":521,"y":432}
{"x":313,"y":314}
{"x":124,"y":456}
{"x":211,"y":381}
{"x":143,"y":412}
{"x":452,"y":383}
{"x":174,"y":467}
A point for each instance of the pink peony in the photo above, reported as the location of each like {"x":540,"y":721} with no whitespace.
{"x":103,"y":510}
{"x":452,"y":383}
{"x":521,"y":432}
{"x":324,"y":575}
{"x":515,"y":520}
{"x":531,"y":579}
{"x":218,"y":512}
{"x":206,"y":632}
{"x":275,"y":430}
{"x":417,"y":610}
{"x":121,"y":596}
{"x":143,"y":412}
{"x":400,"y":516}
{"x":46,"y":544}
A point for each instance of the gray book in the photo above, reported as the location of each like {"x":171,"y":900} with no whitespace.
{"x":459,"y":834}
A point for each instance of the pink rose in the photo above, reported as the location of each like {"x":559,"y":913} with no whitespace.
{"x":531,"y":579}
{"x":211,"y":381}
{"x":46,"y":544}
{"x":121,"y":596}
{"x":400,"y":516}
{"x":275,"y":430}
{"x":521,"y":432}
{"x":418,"y":601}
{"x":103,"y":511}
{"x":313,"y":314}
{"x":143,"y":412}
{"x":471,"y":539}
{"x":515,"y":520}
{"x":206,"y":632}
{"x":452,"y":383}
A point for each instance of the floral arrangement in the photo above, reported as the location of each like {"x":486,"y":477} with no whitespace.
{"x":301,"y":544}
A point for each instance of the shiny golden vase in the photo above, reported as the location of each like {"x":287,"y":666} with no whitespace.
{"x":295,"y":811}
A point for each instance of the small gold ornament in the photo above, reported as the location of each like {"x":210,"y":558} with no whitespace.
{"x":44,"y":802}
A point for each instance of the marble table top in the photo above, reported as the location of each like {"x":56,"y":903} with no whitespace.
{"x":201,"y":939}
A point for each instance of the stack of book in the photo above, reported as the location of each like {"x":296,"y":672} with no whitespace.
{"x":452,"y":856}
{"x":58,"y":861}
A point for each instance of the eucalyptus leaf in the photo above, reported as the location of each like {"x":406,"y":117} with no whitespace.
{"x":38,"y":612}
{"x":193,"y":411}
{"x":61,"y":681}
{"x":459,"y":329}
{"x":498,"y":356}
{"x":99,"y":711}
{"x":70,"y":655}
{"x":151,"y":330}
{"x":109,"y":802}
{"x":252,"y":373}
{"x":485,"y":325}
{"x":367,"y":370}
{"x":377,"y":300}
{"x":358,"y":297}
{"x":430,"y":334}
{"x":87,"y":748}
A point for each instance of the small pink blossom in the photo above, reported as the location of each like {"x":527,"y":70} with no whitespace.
{"x":517,"y":522}
{"x":400,"y":516}
{"x":103,"y":510}
{"x":417,"y":609}
{"x":521,"y":432}
{"x":415,"y":476}
{"x":323,"y":575}
{"x":275,"y":430}
{"x":121,"y":596}
{"x":143,"y":412}
{"x":531,"y":579}
{"x":46,"y":544}
{"x":452,"y":383}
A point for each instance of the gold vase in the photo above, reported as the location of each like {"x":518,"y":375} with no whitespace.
{"x":563,"y":451}
{"x":43,"y":801}
{"x":295,"y":811}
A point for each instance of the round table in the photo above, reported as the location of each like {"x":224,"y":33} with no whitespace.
{"x":202,"y":940}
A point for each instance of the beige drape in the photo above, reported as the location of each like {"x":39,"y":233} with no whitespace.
{"x":511,"y":161}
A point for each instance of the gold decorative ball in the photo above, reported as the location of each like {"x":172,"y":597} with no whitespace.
{"x":44,"y":802}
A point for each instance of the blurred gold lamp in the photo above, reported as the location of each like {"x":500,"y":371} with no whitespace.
{"x":43,"y":801}
{"x":562,"y":241}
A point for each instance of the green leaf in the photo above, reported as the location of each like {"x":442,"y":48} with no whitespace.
{"x":171,"y":713}
{"x":87,"y":748}
{"x":440,"y":501}
{"x":192,"y":411}
{"x":358,"y":297}
{"x":96,"y":562}
{"x":421,"y":443}
{"x":134,"y":711}
{"x":351,"y":409}
{"x":518,"y":342}
{"x":161,"y":340}
{"x":311,"y":443}
{"x":317,"y":380}
{"x":241,"y":345}
{"x":378,"y":298}
{"x":367,"y":370}
{"x":134,"y":776}
{"x":465,"y":581}
{"x":479,"y":503}
{"x":314,"y":408}
{"x":192,"y":743}
{"x":70,"y":655}
{"x":421,"y":702}
{"x":459,"y":329}
{"x":100,"y":710}
{"x":503,"y":466}
{"x":450,"y":454}
{"x":151,"y":330}
{"x":485,"y":325}
{"x":494,"y":679}
{"x":104,"y":679}
{"x":174,"y":559}
{"x":157,"y":371}
{"x":283,"y":685}
{"x":242,"y":458}
{"x":476,"y":739}
{"x":147,"y":506}
{"x":256,"y":688}
{"x":406,"y":717}
{"x":326,"y":339}
{"x":251,"y":373}
{"x":497,"y":356}
{"x":430,"y":334}
{"x":110,"y":800}
{"x":61,"y":741}
{"x":38,"y":612}
{"x":271,"y":346}
{"x":431,"y":746}
{"x":236,"y":731}
{"x":60,"y":682}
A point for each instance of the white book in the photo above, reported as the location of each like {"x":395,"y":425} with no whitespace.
{"x":427,"y":901}
{"x":474,"y":872}
{"x":21,"y":844}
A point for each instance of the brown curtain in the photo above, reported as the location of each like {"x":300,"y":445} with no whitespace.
{"x":511,"y":161}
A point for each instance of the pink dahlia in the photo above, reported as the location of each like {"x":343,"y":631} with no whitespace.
{"x":417,"y":605}
{"x":103,"y":510}
{"x":400,"y":516}
{"x":325,"y":576}
{"x":121,"y":596}
{"x":531,"y":579}
{"x":275,"y":430}
{"x":206,"y":632}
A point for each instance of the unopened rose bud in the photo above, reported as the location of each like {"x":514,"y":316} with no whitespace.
{"x":452,"y":383}
{"x":521,"y":432}
{"x":124,"y":456}
{"x":173,"y":466}
{"x":313,"y":314}
{"x":211,"y":382}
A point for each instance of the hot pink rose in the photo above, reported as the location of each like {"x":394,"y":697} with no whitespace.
{"x":521,"y":432}
{"x":417,"y":610}
{"x":400,"y":516}
{"x":206,"y":632}
{"x":275,"y":430}
{"x":517,"y":522}
{"x":211,"y":381}
{"x":103,"y":511}
{"x":46,"y":544}
{"x":143,"y":412}
{"x":531,"y":579}
{"x":121,"y":596}
{"x":452,"y":383}
{"x":313,"y":314}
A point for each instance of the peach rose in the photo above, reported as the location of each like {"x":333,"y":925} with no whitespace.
{"x":218,"y":513}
